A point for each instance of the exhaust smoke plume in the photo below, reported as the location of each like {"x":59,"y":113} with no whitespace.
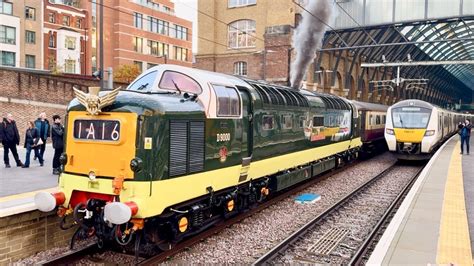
{"x":308,"y":37}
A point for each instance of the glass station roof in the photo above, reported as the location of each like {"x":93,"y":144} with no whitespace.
{"x":449,"y":39}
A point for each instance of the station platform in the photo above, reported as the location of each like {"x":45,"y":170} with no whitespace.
{"x":19,"y":185}
{"x":435,"y":222}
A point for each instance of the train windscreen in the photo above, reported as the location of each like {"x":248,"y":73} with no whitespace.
{"x":410,"y":117}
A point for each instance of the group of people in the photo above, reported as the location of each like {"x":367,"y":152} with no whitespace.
{"x":36,"y":137}
{"x":464,"y":131}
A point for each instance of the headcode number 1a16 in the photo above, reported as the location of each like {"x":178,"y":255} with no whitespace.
{"x":97,"y":130}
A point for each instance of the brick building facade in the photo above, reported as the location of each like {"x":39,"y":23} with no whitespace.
{"x":21,"y":33}
{"x":141,"y":32}
{"x":65,"y":37}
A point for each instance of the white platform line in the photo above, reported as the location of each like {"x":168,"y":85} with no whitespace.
{"x":378,"y":255}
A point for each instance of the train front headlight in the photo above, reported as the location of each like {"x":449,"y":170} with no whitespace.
{"x":389,"y":131}
{"x":429,"y":133}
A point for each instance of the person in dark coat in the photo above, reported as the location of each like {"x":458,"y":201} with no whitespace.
{"x":42,"y":124}
{"x":57,"y":133}
{"x":32,"y":138}
{"x":9,"y":137}
{"x":466,"y":135}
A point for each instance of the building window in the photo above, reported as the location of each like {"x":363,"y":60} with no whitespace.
{"x":30,"y":13}
{"x":181,"y":32}
{"x":159,"y":26}
{"x":181,"y":53}
{"x":30,"y":37}
{"x":240,"y":68}
{"x":52,"y":40}
{"x":70,"y":43}
{"x":70,"y":66}
{"x":157,"y":48}
{"x":6,"y":8}
{"x":139,"y":65}
{"x":30,"y":61}
{"x":7,"y":34}
{"x":163,"y":27}
{"x":228,"y":101}
{"x":66,"y":21}
{"x":237,"y":3}
{"x":138,"y":44}
{"x":242,"y":34}
{"x":52,"y":17}
{"x":167,"y":9}
{"x":79,"y":23}
{"x":7,"y":58}
{"x":138,"y":20}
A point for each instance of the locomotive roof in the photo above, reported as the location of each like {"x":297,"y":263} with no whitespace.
{"x":370,"y":106}
{"x":275,"y":92}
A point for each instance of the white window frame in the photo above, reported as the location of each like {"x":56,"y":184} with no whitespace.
{"x":240,"y":3}
{"x":246,"y":31}
{"x":240,"y":68}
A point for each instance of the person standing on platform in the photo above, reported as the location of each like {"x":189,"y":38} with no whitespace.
{"x":42,"y":124}
{"x":32,"y":142}
{"x":57,"y":133}
{"x":466,"y":135}
{"x":9,"y":137}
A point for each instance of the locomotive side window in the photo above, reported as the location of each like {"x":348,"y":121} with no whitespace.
{"x":267,"y":122}
{"x":179,"y":82}
{"x":228,"y":101}
{"x":302,"y":121}
{"x":318,"y":121}
{"x":144,"y":83}
{"x":287,"y":121}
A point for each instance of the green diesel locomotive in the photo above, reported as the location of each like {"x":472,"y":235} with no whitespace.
{"x":182,"y":148}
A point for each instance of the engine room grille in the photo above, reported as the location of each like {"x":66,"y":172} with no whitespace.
{"x":186,"y":147}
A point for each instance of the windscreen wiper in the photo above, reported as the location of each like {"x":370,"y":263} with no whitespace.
{"x":176,"y":86}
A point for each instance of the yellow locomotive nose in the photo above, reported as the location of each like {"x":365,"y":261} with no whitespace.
{"x":101,"y":145}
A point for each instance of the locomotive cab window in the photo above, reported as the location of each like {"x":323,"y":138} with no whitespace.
{"x":228,"y":101}
{"x":144,"y":83}
{"x":179,"y":82}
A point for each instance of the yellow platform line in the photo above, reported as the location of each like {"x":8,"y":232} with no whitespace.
{"x":26,"y":194}
{"x":454,"y":244}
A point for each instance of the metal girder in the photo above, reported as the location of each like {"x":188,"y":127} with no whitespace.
{"x":419,"y":63}
{"x":396,"y":44}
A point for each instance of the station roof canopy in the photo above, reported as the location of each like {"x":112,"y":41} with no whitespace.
{"x":410,"y":30}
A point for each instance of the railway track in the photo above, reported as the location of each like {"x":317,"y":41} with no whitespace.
{"x":338,"y":235}
{"x":89,"y":251}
